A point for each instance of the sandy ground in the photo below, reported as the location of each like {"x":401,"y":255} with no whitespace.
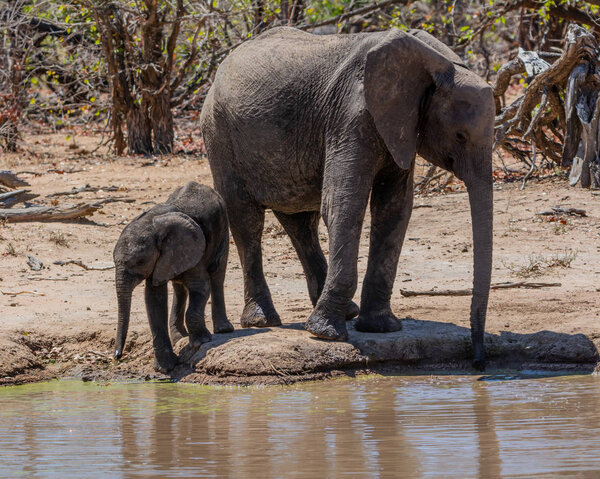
{"x":66,"y":326}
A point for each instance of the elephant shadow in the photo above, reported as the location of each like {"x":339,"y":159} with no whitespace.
{"x":434,"y":342}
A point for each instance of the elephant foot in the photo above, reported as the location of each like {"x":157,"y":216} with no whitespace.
{"x":198,"y":338}
{"x":479,"y":364}
{"x":176,"y":336}
{"x":321,"y":327}
{"x":257,"y":315}
{"x":479,"y":357}
{"x":165,"y":361}
{"x":353,"y":311}
{"x":378,"y":322}
{"x":222,"y":326}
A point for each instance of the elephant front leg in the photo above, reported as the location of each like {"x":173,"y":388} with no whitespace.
{"x":157,"y":308}
{"x":198,"y":284}
{"x":345,"y":196}
{"x":303,"y":230}
{"x":391,"y":207}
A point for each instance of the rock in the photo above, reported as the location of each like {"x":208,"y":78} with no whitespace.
{"x":34,"y":263}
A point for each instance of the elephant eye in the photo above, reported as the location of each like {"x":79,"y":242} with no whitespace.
{"x":461,"y":137}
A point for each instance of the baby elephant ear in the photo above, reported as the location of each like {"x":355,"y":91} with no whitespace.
{"x":181,"y":244}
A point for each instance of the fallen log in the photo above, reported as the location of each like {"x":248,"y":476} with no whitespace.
{"x":10,"y":194}
{"x":48,"y":213}
{"x":468,"y":292}
{"x":17,"y":196}
{"x":10,"y":179}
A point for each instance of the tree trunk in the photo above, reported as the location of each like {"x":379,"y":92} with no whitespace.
{"x":296,"y":15}
{"x":10,"y":133}
{"x":259,"y":12}
{"x":161,"y":117}
{"x":14,"y":101}
{"x":139,"y":131}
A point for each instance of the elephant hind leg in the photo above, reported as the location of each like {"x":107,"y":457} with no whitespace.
{"x":303,"y":230}
{"x":391,"y":207}
{"x":219,"y":315}
{"x":198,"y":284}
{"x":246,"y":220}
{"x":176,"y":319}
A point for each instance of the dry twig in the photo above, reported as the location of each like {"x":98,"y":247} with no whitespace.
{"x":10,"y":293}
{"x":468,"y":292}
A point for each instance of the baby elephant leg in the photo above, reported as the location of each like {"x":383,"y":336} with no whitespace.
{"x":219,"y":315}
{"x":157,"y":308}
{"x":176,"y":327}
{"x":198,"y":284}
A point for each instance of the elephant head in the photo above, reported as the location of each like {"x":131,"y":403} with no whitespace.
{"x":422,"y":99}
{"x":160,"y":247}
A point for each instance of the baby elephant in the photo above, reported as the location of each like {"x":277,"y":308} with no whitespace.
{"x":185,"y":241}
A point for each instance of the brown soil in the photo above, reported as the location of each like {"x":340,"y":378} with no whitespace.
{"x":67,"y":327}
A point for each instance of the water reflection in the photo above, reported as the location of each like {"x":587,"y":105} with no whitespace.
{"x":489,"y":464}
{"x":386,"y":427}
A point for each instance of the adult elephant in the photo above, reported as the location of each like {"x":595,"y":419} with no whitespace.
{"x":311,"y":125}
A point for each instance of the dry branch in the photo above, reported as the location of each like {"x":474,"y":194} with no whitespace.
{"x":357,"y":11}
{"x":118,"y":199}
{"x":17,"y":196}
{"x":85,"y":189}
{"x":469,"y":292}
{"x":560,"y":210}
{"x":10,"y":179}
{"x":10,"y":194}
{"x":41,"y":278}
{"x":48,"y":213}
{"x":538,"y":116}
{"x":87,"y":267}
{"x":10,"y":293}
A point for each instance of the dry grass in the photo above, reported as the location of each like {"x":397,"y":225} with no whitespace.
{"x":538,"y":265}
{"x":11,"y":250}
{"x":59,"y":239}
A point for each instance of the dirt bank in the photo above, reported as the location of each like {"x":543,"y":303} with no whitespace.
{"x":64,"y":323}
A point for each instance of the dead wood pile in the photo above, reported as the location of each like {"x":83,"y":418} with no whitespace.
{"x":557,"y":116}
{"x":42,"y":212}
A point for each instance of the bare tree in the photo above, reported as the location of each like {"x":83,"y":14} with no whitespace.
{"x":147,"y":64}
{"x":15,"y":43}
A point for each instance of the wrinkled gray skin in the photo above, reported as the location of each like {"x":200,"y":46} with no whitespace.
{"x":312,"y":125}
{"x":185,"y":241}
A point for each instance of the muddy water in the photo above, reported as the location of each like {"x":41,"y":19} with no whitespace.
{"x":372,"y":427}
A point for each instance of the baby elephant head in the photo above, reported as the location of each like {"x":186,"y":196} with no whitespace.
{"x":158,"y":246}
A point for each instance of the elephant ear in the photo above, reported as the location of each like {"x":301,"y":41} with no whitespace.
{"x":438,"y":46}
{"x":399,"y":74}
{"x":181,"y":244}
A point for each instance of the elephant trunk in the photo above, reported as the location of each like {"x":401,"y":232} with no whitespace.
{"x":125,"y":288}
{"x":481,"y":201}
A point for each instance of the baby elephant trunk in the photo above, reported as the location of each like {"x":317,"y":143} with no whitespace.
{"x":124,"y":291}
